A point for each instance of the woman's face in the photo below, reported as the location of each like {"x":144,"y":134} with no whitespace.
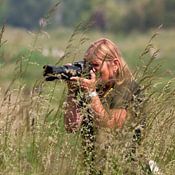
{"x":104,"y":70}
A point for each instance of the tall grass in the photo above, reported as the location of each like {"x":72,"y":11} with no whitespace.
{"x":32,"y":136}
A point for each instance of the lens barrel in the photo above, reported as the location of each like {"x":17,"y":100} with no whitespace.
{"x":65,"y":72}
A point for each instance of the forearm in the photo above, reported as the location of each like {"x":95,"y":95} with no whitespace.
{"x":110,"y":118}
{"x":101,"y":114}
{"x":72,"y":117}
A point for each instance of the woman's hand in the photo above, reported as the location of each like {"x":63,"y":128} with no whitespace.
{"x":86,"y":84}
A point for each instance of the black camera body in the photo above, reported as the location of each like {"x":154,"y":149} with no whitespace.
{"x":65,"y":72}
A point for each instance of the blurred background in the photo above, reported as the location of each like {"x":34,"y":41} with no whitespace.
{"x":112,"y":15}
{"x":38,"y":32}
{"x":47,"y":27}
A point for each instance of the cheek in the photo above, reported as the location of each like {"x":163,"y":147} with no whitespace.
{"x":105,"y":74}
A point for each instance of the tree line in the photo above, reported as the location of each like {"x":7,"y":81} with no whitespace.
{"x":111,"y":15}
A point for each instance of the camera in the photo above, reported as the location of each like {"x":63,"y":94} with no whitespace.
{"x":65,"y":72}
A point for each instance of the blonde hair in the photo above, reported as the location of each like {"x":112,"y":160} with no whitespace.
{"x":106,"y":50}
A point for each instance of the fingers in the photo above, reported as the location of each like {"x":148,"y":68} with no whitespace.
{"x":80,"y":80}
{"x":68,"y":64}
{"x":86,"y":84}
{"x":92,"y":75}
{"x":75,"y":78}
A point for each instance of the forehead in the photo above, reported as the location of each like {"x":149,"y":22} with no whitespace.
{"x":93,"y":60}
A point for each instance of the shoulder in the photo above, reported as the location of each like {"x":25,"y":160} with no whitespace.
{"x":122,"y":95}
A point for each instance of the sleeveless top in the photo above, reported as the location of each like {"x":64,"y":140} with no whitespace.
{"x":127,"y":96}
{"x":121,"y":96}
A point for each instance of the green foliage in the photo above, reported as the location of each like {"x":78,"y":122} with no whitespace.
{"x":3,"y":9}
{"x":122,"y":15}
{"x":75,"y":11}
{"x":169,"y":14}
{"x":111,"y":15}
{"x":26,"y":13}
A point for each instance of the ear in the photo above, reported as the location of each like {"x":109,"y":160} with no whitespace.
{"x":116,"y":64}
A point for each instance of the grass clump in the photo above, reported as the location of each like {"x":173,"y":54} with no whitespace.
{"x":33,"y":139}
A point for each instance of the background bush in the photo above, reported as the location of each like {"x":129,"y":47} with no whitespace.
{"x":111,"y":15}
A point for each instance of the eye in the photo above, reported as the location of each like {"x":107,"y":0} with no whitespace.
{"x":95,"y":65}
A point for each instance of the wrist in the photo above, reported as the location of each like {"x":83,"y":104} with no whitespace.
{"x":93,"y":94}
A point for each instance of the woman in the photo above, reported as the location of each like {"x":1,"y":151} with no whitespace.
{"x":109,"y":91}
{"x":109,"y":71}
